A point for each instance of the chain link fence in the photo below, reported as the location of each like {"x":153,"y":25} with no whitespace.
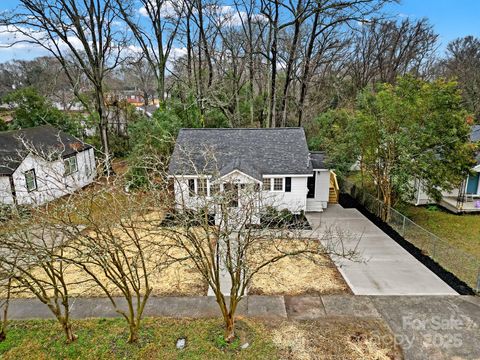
{"x":465,"y":266}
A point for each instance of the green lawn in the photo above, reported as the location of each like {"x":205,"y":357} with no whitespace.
{"x":460,"y":231}
{"x":106,"y":339}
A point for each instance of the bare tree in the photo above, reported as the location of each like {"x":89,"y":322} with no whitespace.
{"x":384,"y":50}
{"x":80,"y":35}
{"x":140,"y":75}
{"x":32,"y":256}
{"x":116,"y":250}
{"x":5,"y":303}
{"x":330,"y":14}
{"x":463,"y":63}
{"x":154,"y":33}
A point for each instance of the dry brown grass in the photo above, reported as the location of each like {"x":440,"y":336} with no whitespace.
{"x":178,"y":278}
{"x":334,"y":338}
{"x":297,"y":275}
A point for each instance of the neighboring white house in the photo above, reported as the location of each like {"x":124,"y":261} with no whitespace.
{"x":42,"y":163}
{"x":277,"y":162}
{"x":466,"y":198}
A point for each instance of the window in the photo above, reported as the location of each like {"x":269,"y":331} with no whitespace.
{"x":31,"y":180}
{"x":191,"y":187}
{"x":202,"y":187}
{"x":266,"y":184}
{"x":277,"y":184}
{"x":70,"y":164}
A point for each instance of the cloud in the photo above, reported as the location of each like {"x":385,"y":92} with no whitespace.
{"x":227,"y":15}
{"x":167,"y":10}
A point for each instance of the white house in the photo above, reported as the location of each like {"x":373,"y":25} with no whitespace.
{"x":42,"y":163}
{"x":466,"y":198}
{"x":276,"y":162}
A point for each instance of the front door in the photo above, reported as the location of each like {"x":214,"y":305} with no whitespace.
{"x":472,"y":185}
{"x":311,"y":186}
{"x":232,"y":192}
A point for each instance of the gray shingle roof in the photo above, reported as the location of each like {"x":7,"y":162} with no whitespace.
{"x":475,"y":134}
{"x":255,"y":152}
{"x":318,"y":159}
{"x":43,"y":140}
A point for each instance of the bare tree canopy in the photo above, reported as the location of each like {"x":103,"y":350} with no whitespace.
{"x":80,"y":35}
{"x":463,"y":63}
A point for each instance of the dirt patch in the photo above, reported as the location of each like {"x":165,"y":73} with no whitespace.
{"x":334,"y":338}
{"x":165,"y":276}
{"x":297,"y":275}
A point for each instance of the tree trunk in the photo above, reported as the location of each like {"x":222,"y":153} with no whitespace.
{"x":291,"y":59}
{"x":103,"y":128}
{"x":3,"y":325}
{"x":133,"y":336}
{"x":161,"y":81}
{"x":306,"y":68}
{"x":251,"y":72}
{"x":67,"y":329}
{"x":189,"y":50}
{"x":229,"y":328}
{"x":272,"y":114}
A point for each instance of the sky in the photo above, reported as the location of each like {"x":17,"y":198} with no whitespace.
{"x":451,"y":19}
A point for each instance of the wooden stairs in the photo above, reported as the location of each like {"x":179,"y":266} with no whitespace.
{"x":334,"y":190}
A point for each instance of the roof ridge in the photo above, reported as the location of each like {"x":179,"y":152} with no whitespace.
{"x":28,"y":129}
{"x":279,"y":128}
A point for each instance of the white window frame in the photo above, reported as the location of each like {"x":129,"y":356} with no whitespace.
{"x":197,"y":187}
{"x":67,"y":163}
{"x":270,"y":184}
{"x":31,"y":171}
{"x":273,"y":184}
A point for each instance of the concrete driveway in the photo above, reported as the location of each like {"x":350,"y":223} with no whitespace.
{"x":382,"y":266}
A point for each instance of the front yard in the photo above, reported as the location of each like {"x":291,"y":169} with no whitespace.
{"x":300,"y":275}
{"x":106,"y":339}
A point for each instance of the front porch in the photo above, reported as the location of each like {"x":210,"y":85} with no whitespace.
{"x":451,"y":203}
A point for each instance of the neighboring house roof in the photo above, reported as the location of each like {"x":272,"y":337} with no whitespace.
{"x":148,"y":110}
{"x":42,"y":140}
{"x":318,"y":159}
{"x":255,"y":152}
{"x":475,"y":134}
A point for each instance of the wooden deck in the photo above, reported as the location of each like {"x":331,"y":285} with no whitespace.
{"x":450,"y":203}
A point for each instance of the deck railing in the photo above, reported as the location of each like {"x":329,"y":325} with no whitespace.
{"x":465,"y":266}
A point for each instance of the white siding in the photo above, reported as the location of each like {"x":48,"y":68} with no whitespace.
{"x":421,"y":197}
{"x":295,"y":201}
{"x":322,"y":187}
{"x":51,"y":182}
{"x":5,"y":191}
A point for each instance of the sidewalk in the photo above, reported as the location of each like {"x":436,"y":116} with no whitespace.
{"x":426,"y":327}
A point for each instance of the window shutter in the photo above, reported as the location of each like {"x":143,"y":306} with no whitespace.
{"x":191,"y":187}
{"x":288,"y":184}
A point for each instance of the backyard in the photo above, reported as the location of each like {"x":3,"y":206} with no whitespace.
{"x":106,"y":339}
